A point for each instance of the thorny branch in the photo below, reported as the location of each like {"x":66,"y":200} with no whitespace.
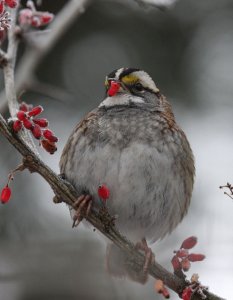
{"x":33,"y":163}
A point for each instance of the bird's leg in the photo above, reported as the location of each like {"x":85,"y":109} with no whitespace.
{"x":82,"y":208}
{"x":120,"y":265}
{"x":149,"y":255}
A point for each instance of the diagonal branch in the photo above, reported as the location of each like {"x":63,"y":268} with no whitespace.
{"x":65,"y":191}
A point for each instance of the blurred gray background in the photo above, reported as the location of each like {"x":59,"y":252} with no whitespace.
{"x":188,"y":50}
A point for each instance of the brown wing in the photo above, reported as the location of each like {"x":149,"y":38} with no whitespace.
{"x":78,"y":131}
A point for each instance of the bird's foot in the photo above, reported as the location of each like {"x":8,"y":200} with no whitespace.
{"x":149,"y":255}
{"x":120,"y":265}
{"x":82,"y":208}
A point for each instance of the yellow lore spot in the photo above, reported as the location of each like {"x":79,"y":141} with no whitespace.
{"x":130,"y":79}
{"x":106,"y":83}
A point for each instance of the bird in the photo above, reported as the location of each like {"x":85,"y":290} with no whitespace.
{"x":132,"y":144}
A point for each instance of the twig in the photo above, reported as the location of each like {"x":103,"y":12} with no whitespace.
{"x":69,"y":195}
{"x":157,"y":4}
{"x":33,"y":57}
{"x":8,"y":70}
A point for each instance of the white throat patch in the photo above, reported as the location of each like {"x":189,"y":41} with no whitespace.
{"x":120,"y":99}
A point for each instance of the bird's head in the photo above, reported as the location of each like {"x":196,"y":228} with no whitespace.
{"x":128,"y":85}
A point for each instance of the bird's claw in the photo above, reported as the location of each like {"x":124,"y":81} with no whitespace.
{"x":82,"y":208}
{"x":149,"y":255}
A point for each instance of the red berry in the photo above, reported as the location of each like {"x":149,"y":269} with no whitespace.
{"x":196,"y":257}
{"x":49,"y":146}
{"x":185,"y":263}
{"x":187,"y":293}
{"x":36,"y":21}
{"x":165,"y":293}
{"x":46,"y":18}
{"x":11,"y":3}
{"x":182,"y":253}
{"x":27,"y":124}
{"x":24,"y":106}
{"x":21,"y":115}
{"x":17,"y":125}
{"x":159,"y":286}
{"x":114,"y":87}
{"x":36,"y":131}
{"x":49,"y":135}
{"x":35,"y":111}
{"x":41,"y":122}
{"x":103,"y":192}
{"x":6,"y":194}
{"x":189,"y":242}
{"x":176,"y":263}
{"x":1,"y":7}
{"x":25,"y":16}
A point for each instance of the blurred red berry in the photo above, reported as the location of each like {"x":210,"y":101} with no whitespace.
{"x":35,"y":111}
{"x":36,"y":131}
{"x":187,"y":294}
{"x":1,"y":7}
{"x":11,"y":3}
{"x":182,"y":253}
{"x":196,"y":257}
{"x":176,"y":263}
{"x":46,"y":18}
{"x":49,"y":146}
{"x":189,"y":242}
{"x":165,"y":293}
{"x":17,"y":126}
{"x":36,"y":21}
{"x":49,"y":135}
{"x":27,"y":124}
{"x":6,"y":194}
{"x":21,"y":115}
{"x":25,"y":16}
{"x":185,"y":263}
{"x":24,"y":107}
{"x":41,"y":122}
{"x":103,"y":192}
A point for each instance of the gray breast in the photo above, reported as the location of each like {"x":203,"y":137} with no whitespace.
{"x":147,"y":166}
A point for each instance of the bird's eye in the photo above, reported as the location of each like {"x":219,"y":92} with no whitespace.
{"x":138,"y":86}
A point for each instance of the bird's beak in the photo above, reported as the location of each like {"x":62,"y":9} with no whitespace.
{"x":114,"y":88}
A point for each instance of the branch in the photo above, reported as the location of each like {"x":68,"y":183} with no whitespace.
{"x":40,"y":47}
{"x":32,"y":161}
{"x":8,"y":70}
{"x":103,"y":223}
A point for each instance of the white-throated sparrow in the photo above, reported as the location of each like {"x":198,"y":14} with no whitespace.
{"x":132,"y":144}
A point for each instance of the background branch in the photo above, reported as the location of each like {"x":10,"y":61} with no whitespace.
{"x":41,"y":46}
{"x":8,"y":71}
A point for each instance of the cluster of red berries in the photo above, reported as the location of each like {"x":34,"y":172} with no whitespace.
{"x":9,"y":3}
{"x":31,"y":17}
{"x":5,"y":19}
{"x":27,"y":118}
{"x":194,"y":286}
{"x":182,"y":258}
